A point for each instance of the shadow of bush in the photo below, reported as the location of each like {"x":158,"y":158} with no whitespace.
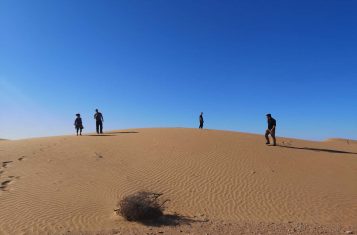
{"x":171,"y":220}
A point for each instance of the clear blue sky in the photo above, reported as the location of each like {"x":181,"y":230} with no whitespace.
{"x":159,"y":63}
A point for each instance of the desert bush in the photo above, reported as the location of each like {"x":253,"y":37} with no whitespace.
{"x":141,"y":206}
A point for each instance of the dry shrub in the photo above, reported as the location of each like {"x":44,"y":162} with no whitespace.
{"x":141,"y":206}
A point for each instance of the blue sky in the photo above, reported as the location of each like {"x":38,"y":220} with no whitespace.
{"x":159,"y":63}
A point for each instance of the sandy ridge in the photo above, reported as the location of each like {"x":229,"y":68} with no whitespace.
{"x":59,"y":184}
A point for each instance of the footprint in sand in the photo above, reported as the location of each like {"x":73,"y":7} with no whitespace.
{"x":98,"y":155}
{"x":21,"y":158}
{"x":14,"y":177}
{"x":5,"y":164}
{"x":10,"y":179}
{"x":4,"y":184}
{"x":286,"y":143}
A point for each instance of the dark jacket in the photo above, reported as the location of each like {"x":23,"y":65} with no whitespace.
{"x":78,"y":123}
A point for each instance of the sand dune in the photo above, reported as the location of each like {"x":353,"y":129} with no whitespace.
{"x":224,"y":182}
{"x":343,"y":141}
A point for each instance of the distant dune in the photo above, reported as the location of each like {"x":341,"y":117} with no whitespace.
{"x":221,"y":182}
{"x":339,"y":140}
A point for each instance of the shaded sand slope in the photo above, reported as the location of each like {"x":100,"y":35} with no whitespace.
{"x":68,"y":184}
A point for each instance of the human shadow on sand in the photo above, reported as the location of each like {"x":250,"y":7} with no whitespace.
{"x":172,"y":220}
{"x":124,"y":132}
{"x":317,"y":149}
{"x":101,"y":135}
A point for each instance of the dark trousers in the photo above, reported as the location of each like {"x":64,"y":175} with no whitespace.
{"x":272,"y":133}
{"x":201,"y":125}
{"x":79,"y":129}
{"x":99,"y":125}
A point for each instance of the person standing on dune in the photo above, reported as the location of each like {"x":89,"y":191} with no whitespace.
{"x":99,"y":121}
{"x":201,"y":121}
{"x":78,"y":124}
{"x":271,"y":129}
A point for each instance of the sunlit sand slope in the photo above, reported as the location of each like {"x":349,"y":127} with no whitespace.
{"x":70,"y":184}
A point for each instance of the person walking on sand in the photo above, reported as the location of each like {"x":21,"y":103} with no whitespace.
{"x":78,"y":124}
{"x":271,"y":129}
{"x":99,"y":121}
{"x":201,"y":121}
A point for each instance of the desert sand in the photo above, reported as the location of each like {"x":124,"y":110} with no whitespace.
{"x":219,"y":182}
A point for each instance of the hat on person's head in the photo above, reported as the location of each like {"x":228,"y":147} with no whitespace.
{"x":78,"y":114}
{"x":268,"y":115}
